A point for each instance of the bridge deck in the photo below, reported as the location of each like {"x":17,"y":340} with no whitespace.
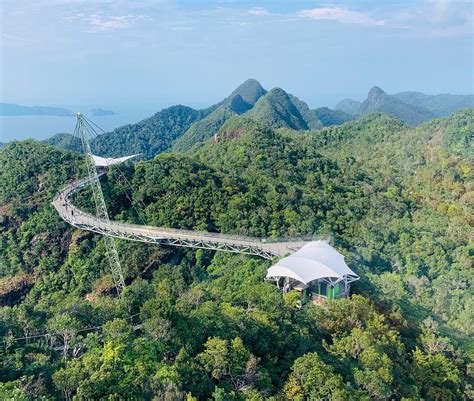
{"x":168,"y":236}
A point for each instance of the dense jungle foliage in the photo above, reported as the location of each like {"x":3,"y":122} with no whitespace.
{"x":193,"y":324}
{"x":330,"y":117}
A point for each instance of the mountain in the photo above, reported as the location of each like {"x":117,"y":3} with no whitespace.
{"x":65,"y":141}
{"x":250,"y":91}
{"x":179,"y":128}
{"x":349,"y":106}
{"x":157,"y":133}
{"x":9,"y":109}
{"x":203,"y":129}
{"x":329,"y":117}
{"x":441,"y":105}
{"x":150,"y":136}
{"x":309,"y":116}
{"x":277,"y":110}
{"x":243,"y":98}
{"x":238,"y":105}
{"x":379,"y":101}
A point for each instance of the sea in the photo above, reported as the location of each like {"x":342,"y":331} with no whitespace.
{"x":43,"y":127}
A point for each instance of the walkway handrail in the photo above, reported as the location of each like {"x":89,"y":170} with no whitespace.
{"x":264,"y":247}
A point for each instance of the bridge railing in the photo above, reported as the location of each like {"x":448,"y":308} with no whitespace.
{"x":303,"y":238}
{"x":70,"y":189}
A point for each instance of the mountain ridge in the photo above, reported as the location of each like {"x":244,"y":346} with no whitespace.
{"x":178,"y":128}
{"x":439,"y":105}
{"x":379,"y":101}
{"x":442,"y":104}
{"x":349,"y":106}
{"x":277,"y":110}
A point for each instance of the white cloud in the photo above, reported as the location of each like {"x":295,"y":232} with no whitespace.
{"x":258,"y":11}
{"x":341,"y":15}
{"x":74,"y":17}
{"x":98,"y":23}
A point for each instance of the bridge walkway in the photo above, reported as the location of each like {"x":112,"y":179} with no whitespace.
{"x":265,"y":248}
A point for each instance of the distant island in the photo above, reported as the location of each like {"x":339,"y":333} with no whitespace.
{"x":101,"y":112}
{"x":9,"y":109}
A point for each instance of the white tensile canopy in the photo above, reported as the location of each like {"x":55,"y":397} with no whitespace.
{"x":109,"y":161}
{"x":316,"y":260}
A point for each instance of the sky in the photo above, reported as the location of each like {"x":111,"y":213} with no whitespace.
{"x":164,"y":52}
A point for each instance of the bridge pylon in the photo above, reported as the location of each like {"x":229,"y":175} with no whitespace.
{"x":82,"y":129}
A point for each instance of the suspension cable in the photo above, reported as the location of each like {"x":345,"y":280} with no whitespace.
{"x":95,"y":135}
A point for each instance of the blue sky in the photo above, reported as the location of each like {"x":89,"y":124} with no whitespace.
{"x":123,"y":52}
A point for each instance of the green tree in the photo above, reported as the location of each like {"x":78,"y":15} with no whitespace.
{"x":312,"y":379}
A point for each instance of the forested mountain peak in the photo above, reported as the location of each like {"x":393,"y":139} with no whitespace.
{"x":238,"y":102}
{"x":379,"y":101}
{"x":439,"y":105}
{"x":277,"y":110}
{"x":237,"y":127}
{"x":250,"y":91}
{"x":375,"y":98}
{"x":206,"y":127}
{"x":238,"y":105}
{"x":150,"y":136}
{"x":309,"y":116}
{"x":375,"y":91}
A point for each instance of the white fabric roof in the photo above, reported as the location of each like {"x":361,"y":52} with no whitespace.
{"x":109,"y":161}
{"x":315,"y":260}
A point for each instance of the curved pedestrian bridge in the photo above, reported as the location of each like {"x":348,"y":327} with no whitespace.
{"x":265,"y":248}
